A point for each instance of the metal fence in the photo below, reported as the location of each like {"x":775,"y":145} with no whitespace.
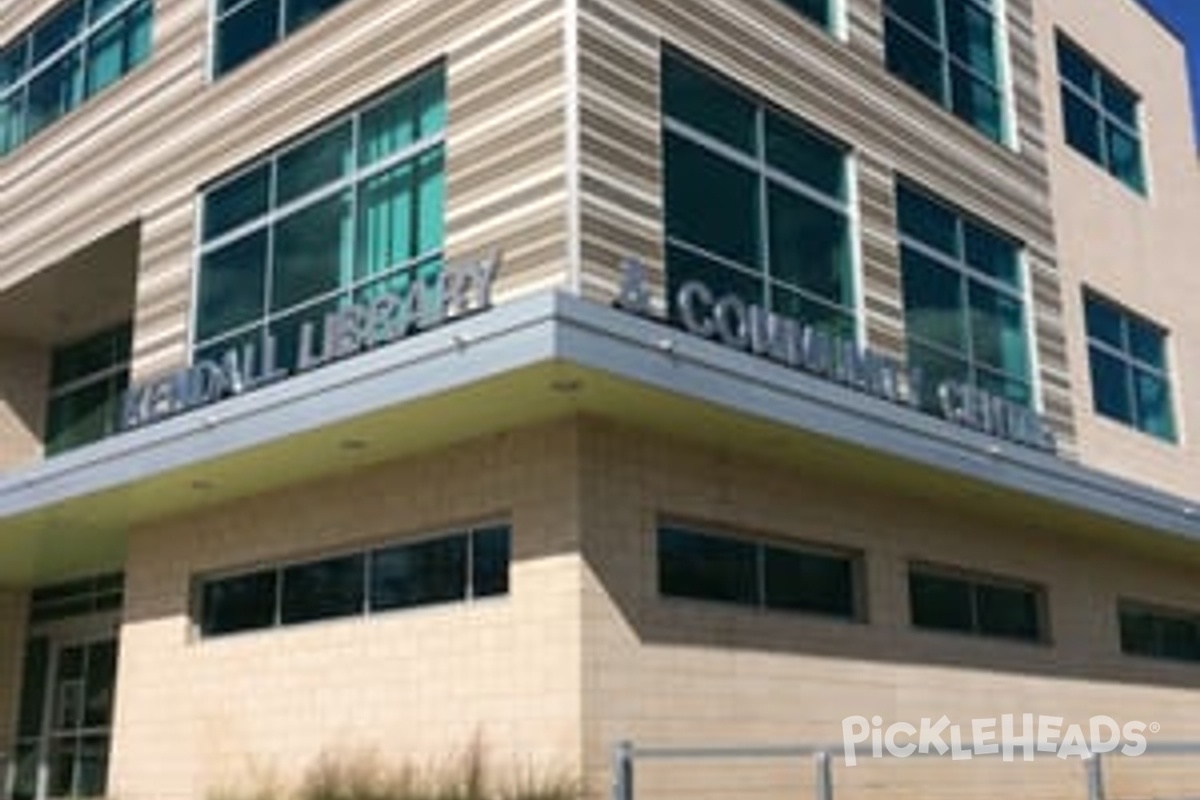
{"x":1166,"y":771}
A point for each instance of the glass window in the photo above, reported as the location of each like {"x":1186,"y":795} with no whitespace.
{"x":323,"y":589}
{"x":942,"y":600}
{"x":964,"y":307}
{"x":453,"y":567}
{"x":241,"y":603}
{"x":756,"y":202}
{"x":1100,"y":116}
{"x":1159,"y":633}
{"x":319,"y":223}
{"x":816,"y":10}
{"x":948,"y":51}
{"x":1127,"y":356}
{"x":66,"y":58}
{"x":77,"y":597}
{"x":491,"y":552}
{"x":419,"y":574}
{"x":705,"y":566}
{"x":87,"y":379}
{"x":245,"y":28}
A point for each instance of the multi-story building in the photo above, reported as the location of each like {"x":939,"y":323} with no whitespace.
{"x":567,"y":371}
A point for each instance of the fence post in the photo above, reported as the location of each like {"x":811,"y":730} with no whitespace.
{"x":1095,"y":773}
{"x":622,"y":787}
{"x":824,"y":782}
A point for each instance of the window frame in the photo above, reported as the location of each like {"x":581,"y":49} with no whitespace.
{"x":1102,"y":78}
{"x":1161,"y":613}
{"x":1131,"y":365}
{"x":949,"y":61}
{"x":974,"y":581}
{"x":967,"y":275}
{"x":366,"y":550}
{"x":351,"y":184}
{"x":761,"y":543}
{"x":120,"y":340}
{"x":82,"y":43}
{"x":767,"y":177}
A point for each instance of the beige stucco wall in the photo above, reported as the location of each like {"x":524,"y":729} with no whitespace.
{"x":666,"y":671}
{"x":198,"y":715}
{"x":1137,"y":250}
{"x":24,"y":376}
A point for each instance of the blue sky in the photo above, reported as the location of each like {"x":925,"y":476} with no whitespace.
{"x":1184,"y":17}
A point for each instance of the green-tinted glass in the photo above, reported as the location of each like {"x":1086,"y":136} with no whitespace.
{"x":927,"y":221}
{"x":806,"y":156}
{"x":692,"y":96}
{"x":312,"y":252}
{"x":998,"y":331}
{"x":314,"y":163}
{"x":934,"y":304}
{"x":711,"y":202}
{"x":232,"y":286}
{"x":810,"y":246}
{"x":385,"y":221}
{"x":916,"y":61}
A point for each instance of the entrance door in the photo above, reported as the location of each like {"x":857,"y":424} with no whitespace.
{"x":66,"y":717}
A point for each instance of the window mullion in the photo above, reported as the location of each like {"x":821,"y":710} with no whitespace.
{"x":764,"y":215}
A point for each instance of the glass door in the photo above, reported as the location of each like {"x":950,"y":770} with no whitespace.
{"x":66,"y":718}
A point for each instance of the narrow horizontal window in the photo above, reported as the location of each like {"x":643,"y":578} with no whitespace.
{"x":943,"y":599}
{"x":452,"y":567}
{"x":1159,"y":633}
{"x":707,"y":566}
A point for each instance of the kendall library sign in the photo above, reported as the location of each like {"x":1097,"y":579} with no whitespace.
{"x":464,"y":287}
{"x":730,"y":321}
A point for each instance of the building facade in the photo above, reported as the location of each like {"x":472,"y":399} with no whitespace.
{"x":561,"y":372}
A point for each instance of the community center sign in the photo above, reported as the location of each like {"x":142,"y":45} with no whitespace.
{"x":463,"y":288}
{"x":731,"y":321}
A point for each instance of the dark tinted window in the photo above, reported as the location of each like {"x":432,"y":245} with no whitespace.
{"x":1158,"y":633}
{"x":983,"y":605}
{"x":704,"y":566}
{"x":490,"y":557}
{"x":419,"y":574}
{"x":240,"y":603}
{"x":323,"y":589}
{"x":802,"y":581}
{"x":707,"y":567}
{"x":472,"y":563}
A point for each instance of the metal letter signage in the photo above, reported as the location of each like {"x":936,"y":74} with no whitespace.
{"x":734,"y":323}
{"x":464,"y":287}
